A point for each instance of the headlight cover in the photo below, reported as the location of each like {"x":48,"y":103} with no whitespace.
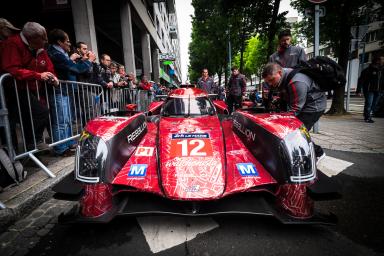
{"x":300,"y":156}
{"x":91,"y":158}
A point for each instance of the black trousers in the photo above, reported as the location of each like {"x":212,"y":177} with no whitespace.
{"x":234,"y":101}
{"x":309,"y":119}
{"x":40,"y":116}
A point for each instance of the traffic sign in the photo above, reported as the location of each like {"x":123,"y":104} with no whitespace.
{"x":308,"y":12}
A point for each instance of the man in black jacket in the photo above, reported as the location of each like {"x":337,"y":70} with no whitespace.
{"x":235,"y":89}
{"x":372,"y":82}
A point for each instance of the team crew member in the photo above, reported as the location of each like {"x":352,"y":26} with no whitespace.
{"x":302,"y":95}
{"x":287,"y":55}
{"x":235,"y":89}
{"x":206,"y":82}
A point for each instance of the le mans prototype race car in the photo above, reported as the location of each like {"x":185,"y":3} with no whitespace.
{"x":187,"y":156}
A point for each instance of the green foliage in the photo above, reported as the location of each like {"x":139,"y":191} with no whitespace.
{"x":255,"y":55}
{"x":216,"y":22}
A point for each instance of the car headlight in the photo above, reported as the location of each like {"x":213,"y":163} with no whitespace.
{"x":299,"y":156}
{"x":91,"y":158}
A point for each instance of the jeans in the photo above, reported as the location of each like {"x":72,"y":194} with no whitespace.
{"x":61,"y":121}
{"x":309,"y":119}
{"x":371,"y":99}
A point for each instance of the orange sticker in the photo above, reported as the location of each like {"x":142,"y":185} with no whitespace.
{"x":191,"y":147}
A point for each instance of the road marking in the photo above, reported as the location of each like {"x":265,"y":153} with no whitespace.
{"x":331,"y":166}
{"x":164,"y":232}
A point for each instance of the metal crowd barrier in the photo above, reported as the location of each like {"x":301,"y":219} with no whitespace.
{"x":20,"y":117}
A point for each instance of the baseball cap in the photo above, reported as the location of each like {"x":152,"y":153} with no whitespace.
{"x":6,"y":24}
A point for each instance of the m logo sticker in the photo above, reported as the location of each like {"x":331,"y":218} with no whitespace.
{"x":247,"y":169}
{"x":138,"y":170}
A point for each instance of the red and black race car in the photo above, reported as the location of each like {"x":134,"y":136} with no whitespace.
{"x":187,"y":156}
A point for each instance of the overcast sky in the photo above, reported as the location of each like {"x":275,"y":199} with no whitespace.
{"x":184,"y":10}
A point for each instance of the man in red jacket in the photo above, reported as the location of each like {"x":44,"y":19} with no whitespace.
{"x":24,"y":57}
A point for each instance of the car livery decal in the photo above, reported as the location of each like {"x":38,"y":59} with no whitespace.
{"x":138,"y":170}
{"x":144,"y":151}
{"x":136,"y":133}
{"x":191,"y":145}
{"x":247,"y":169}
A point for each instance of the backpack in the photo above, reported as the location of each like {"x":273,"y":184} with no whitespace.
{"x":10,"y":173}
{"x":325,"y":72}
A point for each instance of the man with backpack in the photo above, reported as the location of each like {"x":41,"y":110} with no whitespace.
{"x":303,"y":96}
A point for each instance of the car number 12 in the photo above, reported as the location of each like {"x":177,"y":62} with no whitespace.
{"x":194,"y":147}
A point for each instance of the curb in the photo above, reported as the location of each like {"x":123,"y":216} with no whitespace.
{"x":34,"y":191}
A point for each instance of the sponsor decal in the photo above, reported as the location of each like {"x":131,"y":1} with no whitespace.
{"x":193,"y":188}
{"x":193,"y":162}
{"x":136,"y":133}
{"x":190,"y":136}
{"x":144,"y":151}
{"x":275,"y":117}
{"x":116,"y":119}
{"x":247,"y":169}
{"x":245,"y":131}
{"x":138,"y":170}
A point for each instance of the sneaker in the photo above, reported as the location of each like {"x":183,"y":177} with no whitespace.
{"x":73,"y":147}
{"x":319,"y":158}
{"x":369,"y":120}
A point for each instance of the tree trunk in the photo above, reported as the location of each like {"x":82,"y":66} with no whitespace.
{"x":337,"y":107}
{"x":272,"y":28}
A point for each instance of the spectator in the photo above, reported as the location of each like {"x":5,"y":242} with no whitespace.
{"x":304,"y":98}
{"x":132,"y":83}
{"x":235,"y":89}
{"x":206,"y":82}
{"x":372,"y":82}
{"x":67,"y":67}
{"x":144,"y":84}
{"x":6,"y":30}
{"x":105,"y":72}
{"x":287,"y":55}
{"x":24,"y":57}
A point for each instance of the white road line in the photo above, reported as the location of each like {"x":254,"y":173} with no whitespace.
{"x":331,"y":166}
{"x":164,"y":232}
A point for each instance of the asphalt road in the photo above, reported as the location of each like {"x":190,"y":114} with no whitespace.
{"x":359,"y":231}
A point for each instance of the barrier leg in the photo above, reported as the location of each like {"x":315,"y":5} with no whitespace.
{"x":41,"y":165}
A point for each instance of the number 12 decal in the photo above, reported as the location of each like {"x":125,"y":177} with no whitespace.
{"x":194,"y":147}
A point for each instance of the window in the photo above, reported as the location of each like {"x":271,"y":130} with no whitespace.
{"x":188,"y":106}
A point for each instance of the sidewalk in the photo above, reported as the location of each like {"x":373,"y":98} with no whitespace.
{"x":346,"y":133}
{"x":35,"y":190}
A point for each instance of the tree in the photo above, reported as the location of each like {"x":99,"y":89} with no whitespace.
{"x":218,"y":21}
{"x":335,"y":32}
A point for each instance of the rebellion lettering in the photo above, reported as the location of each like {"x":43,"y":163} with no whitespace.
{"x":136,"y":133}
{"x":245,"y":131}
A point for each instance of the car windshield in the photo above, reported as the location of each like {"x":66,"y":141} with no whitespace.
{"x":188,"y":106}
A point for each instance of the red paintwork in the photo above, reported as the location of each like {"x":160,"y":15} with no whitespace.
{"x":221,"y":106}
{"x":278,"y":124}
{"x":131,"y":107}
{"x":247,"y":104}
{"x":183,"y":174}
{"x":238,"y":153}
{"x":188,"y":92}
{"x":106,"y":127}
{"x":294,"y":199}
{"x":192,"y":177}
{"x":155,"y":106}
{"x":149,"y":183}
{"x":97,"y":199}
